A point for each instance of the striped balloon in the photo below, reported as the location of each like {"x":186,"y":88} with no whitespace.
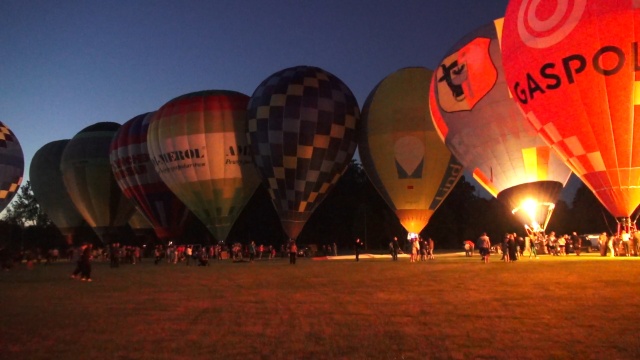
{"x":197,"y":144}
{"x":138,"y":179}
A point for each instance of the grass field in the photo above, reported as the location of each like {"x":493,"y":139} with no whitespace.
{"x":452,"y":307}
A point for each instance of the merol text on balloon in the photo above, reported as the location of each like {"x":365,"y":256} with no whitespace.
{"x":177,"y":155}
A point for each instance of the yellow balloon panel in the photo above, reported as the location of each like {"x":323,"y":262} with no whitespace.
{"x":401,"y":151}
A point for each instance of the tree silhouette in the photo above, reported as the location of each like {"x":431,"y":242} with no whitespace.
{"x":24,"y":209}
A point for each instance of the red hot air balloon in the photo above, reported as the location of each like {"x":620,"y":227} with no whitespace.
{"x":573,"y":68}
{"x":139,"y":181}
{"x":302,"y":131}
{"x":11,"y":165}
{"x":483,"y":127}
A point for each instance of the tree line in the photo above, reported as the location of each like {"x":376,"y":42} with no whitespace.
{"x":353,"y":209}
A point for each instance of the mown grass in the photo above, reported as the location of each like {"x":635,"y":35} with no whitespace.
{"x":449,"y":308}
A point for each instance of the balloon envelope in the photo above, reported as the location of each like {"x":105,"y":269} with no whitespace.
{"x":140,"y":182}
{"x":11,"y":165}
{"x":87,"y":175}
{"x":302,"y":130}
{"x":401,"y":150}
{"x":483,"y":127}
{"x":49,"y":189}
{"x":573,"y":69}
{"x":198,"y":145}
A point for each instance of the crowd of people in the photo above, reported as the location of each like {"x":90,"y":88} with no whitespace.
{"x":513,"y":247}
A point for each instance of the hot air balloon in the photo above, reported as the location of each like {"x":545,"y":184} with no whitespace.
{"x":88,"y":178}
{"x":573,"y":69}
{"x":139,"y":181}
{"x":401,"y":151}
{"x":48,"y":187}
{"x":302,"y":130}
{"x":11,"y":165}
{"x":481,"y":124}
{"x":198,"y":145}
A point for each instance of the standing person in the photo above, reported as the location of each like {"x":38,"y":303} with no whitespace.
{"x":423,"y":248}
{"x":219,"y":251}
{"x":636,"y":242}
{"x":484,"y":246}
{"x":505,"y":248}
{"x":83,"y":266}
{"x":114,"y":255}
{"x":533,"y":246}
{"x":625,"y":242}
{"x":513,"y":248}
{"x":252,"y":251}
{"x":188,"y":252}
{"x":577,"y":243}
{"x":78,"y":270}
{"x":335,"y":249}
{"x":85,"y":259}
{"x":522,"y":244}
{"x":430,"y":246}
{"x":610,"y":245}
{"x":293,"y":252}
{"x":562,"y":245}
{"x":358,"y":245}
{"x":158,"y":254}
{"x":212,"y":252}
{"x":395,"y":247}
{"x":553,"y":243}
{"x":415,"y":249}
{"x":602,"y":241}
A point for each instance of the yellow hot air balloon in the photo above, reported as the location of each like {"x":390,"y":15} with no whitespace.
{"x":198,"y":145}
{"x":401,"y":151}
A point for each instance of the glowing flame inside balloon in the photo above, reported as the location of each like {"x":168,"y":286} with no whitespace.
{"x":535,"y":212}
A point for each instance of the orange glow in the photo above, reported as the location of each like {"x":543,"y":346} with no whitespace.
{"x":573,"y":71}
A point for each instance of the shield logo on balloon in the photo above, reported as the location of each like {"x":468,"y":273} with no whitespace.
{"x":466,"y":76}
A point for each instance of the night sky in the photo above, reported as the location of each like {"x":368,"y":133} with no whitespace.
{"x":67,"y":64}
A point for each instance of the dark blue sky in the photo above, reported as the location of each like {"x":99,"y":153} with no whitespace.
{"x":67,"y":64}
